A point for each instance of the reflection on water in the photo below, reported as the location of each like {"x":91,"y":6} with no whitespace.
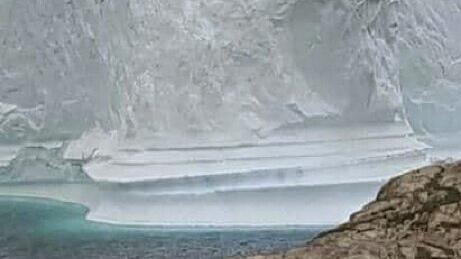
{"x":32,"y":228}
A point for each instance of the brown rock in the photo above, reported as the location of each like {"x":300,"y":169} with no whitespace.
{"x":415,"y":216}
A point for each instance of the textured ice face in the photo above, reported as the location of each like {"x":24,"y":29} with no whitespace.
{"x":51,"y":68}
{"x":226,"y":67}
{"x":346,"y":52}
{"x":430,"y":64}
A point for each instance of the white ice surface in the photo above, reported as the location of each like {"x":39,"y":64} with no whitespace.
{"x":150,"y":68}
{"x":7,"y":153}
{"x":326,"y":148}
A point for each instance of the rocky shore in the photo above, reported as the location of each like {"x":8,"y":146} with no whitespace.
{"x":415,"y":216}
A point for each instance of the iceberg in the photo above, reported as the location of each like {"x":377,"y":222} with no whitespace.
{"x":194,"y":103}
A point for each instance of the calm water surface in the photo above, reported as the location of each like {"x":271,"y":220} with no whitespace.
{"x":33,"y":228}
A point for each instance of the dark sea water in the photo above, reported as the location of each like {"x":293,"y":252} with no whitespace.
{"x":33,"y":228}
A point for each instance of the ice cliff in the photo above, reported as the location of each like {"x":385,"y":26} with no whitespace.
{"x":231,"y":68}
{"x":228,"y":102}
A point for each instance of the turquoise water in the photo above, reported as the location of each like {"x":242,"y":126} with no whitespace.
{"x":34,"y":228}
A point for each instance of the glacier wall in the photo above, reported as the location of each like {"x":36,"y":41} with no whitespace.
{"x":200,"y":111}
{"x":231,"y":68}
{"x":430,"y":64}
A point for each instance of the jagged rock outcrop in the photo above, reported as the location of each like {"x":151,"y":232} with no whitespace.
{"x":415,"y":216}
